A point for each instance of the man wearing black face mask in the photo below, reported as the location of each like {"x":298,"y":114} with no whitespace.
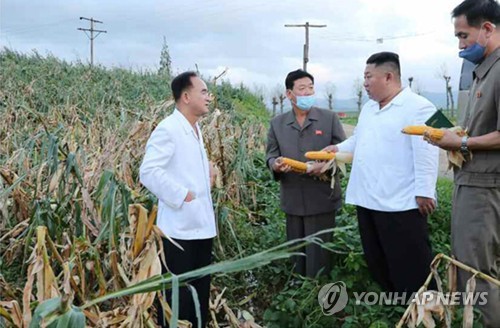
{"x":475,"y":228}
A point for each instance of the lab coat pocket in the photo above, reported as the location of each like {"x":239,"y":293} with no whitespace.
{"x":188,"y":218}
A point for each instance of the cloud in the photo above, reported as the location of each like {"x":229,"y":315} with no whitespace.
{"x":248,"y":37}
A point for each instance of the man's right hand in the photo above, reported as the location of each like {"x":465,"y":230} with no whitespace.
{"x":189,"y":197}
{"x":279,"y":166}
{"x":331,"y":149}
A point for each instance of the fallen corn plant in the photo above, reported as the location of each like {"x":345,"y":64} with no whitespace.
{"x":426,"y":303}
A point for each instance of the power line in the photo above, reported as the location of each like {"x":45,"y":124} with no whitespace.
{"x":91,"y":36}
{"x":306,"y":45}
{"x":375,"y":39}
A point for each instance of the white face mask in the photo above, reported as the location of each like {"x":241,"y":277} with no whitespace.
{"x":305,"y":102}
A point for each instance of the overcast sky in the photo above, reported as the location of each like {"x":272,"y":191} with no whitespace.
{"x":248,"y":37}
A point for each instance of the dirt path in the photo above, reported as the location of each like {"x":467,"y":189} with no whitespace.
{"x":443,"y":161}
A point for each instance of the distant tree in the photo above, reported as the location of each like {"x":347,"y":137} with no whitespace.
{"x":330,"y":89}
{"x":442,"y":73}
{"x":450,"y":96}
{"x":275,"y":102}
{"x":259,"y":90}
{"x":278,"y":95}
{"x":165,"y":60}
{"x":410,"y":81}
{"x":417,"y":87}
{"x":358,"y":92}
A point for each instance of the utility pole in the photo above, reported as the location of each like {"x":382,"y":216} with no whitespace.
{"x":91,"y":36}
{"x":306,"y":45}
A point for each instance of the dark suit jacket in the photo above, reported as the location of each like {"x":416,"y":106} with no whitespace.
{"x":302,"y":194}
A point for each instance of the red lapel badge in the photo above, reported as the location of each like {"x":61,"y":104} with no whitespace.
{"x":319,"y":132}
{"x":478,"y":94}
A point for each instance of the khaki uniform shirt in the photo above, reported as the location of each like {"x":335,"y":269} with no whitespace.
{"x":482,"y":116}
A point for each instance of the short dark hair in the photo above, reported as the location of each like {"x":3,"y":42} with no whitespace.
{"x":182,"y":82}
{"x":294,"y":76}
{"x":478,"y":11}
{"x":390,"y":59}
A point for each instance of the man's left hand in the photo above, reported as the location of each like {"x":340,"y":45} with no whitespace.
{"x":426,"y":205}
{"x":315,"y":168}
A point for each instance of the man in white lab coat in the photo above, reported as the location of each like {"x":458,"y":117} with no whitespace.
{"x":177,"y":171}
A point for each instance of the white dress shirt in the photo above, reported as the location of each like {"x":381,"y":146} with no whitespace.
{"x":176,"y":162}
{"x":391,"y":168}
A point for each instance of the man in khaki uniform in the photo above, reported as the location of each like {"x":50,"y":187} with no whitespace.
{"x":476,"y":202}
{"x":309,"y":203}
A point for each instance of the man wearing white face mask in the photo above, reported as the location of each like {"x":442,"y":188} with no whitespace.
{"x":475,"y":227}
{"x":309,"y":203}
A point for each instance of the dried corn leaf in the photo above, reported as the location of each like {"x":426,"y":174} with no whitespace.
{"x":452,"y":278}
{"x":138,"y":220}
{"x":54,"y":181}
{"x":246,"y":320}
{"x":12,"y":312}
{"x":14,"y":232}
{"x":167,"y":311}
{"x":429,"y":303}
{"x":468,"y":318}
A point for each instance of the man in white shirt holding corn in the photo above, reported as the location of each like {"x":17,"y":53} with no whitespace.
{"x":393,"y":178}
{"x":176,"y":170}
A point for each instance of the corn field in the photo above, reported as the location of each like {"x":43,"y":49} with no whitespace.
{"x":78,"y":244}
{"x":75,"y":223}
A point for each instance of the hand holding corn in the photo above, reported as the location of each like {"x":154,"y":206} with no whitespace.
{"x":431,"y":133}
{"x":300,"y":167}
{"x":447,"y":139}
{"x":328,"y":156}
{"x":315,"y":168}
{"x":281,"y":165}
{"x":330,"y":159}
{"x":420,"y":130}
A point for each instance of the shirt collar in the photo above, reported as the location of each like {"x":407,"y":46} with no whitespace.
{"x":186,"y":126}
{"x":311,"y":116}
{"x":483,"y":68}
{"x":399,"y":100}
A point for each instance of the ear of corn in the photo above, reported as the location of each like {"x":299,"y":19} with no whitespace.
{"x":319,"y":155}
{"x":343,"y":157}
{"x":416,"y":130}
{"x":296,"y":166}
{"x":419,"y":130}
{"x":326,"y":156}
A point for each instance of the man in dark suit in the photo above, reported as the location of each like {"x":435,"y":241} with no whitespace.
{"x":308,"y":202}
